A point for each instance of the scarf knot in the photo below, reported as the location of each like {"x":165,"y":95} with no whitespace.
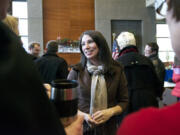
{"x":95,"y":70}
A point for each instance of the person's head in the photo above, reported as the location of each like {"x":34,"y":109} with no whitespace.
{"x":151,"y":49}
{"x":94,"y":47}
{"x":173,"y":20}
{"x":34,"y":48}
{"x":4,"y":5}
{"x":52,"y":46}
{"x":12,"y":23}
{"x":126,"y":39}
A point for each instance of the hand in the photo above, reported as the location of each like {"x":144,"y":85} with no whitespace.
{"x":87,"y":118}
{"x":102,"y":116}
{"x":48,"y":89}
{"x":75,"y":128}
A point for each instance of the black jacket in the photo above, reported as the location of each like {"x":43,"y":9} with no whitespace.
{"x":52,"y":67}
{"x":25,"y":107}
{"x":143,"y":84}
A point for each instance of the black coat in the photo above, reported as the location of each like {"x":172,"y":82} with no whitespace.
{"x":52,"y":67}
{"x":25,"y":107}
{"x":143,"y":84}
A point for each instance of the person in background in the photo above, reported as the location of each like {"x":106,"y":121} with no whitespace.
{"x":34,"y":50}
{"x":151,"y":51}
{"x":12,"y":23}
{"x":164,"y":121}
{"x":25,"y":107}
{"x":102,"y":90}
{"x":143,"y":84}
{"x":50,"y":65}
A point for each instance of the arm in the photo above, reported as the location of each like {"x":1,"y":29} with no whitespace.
{"x":102,"y":116}
{"x":87,"y":118}
{"x":73,"y":75}
{"x":76,"y":127}
{"x":122,"y":92}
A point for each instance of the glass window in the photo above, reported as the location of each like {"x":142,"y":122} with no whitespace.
{"x":23,"y":27}
{"x":19,"y":10}
{"x":166,"y":53}
{"x":164,"y":44}
{"x":162,"y":30}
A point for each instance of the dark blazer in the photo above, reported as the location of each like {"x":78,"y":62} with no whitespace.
{"x":25,"y":107}
{"x":116,"y":87}
{"x":52,"y":67}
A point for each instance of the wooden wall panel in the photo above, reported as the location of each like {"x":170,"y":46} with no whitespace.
{"x":71,"y":58}
{"x":67,"y":18}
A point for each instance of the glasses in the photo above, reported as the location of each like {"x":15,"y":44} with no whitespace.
{"x":161,"y":7}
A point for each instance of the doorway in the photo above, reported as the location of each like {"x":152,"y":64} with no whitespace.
{"x":133,"y":26}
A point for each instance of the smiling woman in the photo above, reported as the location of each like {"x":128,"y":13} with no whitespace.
{"x":101,"y":98}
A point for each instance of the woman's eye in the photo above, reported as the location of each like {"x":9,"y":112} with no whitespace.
{"x":90,"y":41}
{"x":82,"y":44}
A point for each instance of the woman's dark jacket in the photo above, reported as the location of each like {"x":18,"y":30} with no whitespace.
{"x":143,"y":84}
{"x":117,"y":92}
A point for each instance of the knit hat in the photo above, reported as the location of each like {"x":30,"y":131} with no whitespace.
{"x":126,"y":39}
{"x":52,"y":46}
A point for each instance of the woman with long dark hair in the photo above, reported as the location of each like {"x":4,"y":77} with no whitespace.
{"x":102,"y":89}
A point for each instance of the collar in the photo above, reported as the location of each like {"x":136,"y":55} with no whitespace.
{"x":128,"y":49}
{"x":153,"y":56}
{"x":50,"y":54}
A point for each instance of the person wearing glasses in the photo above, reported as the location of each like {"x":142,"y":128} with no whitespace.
{"x":163,"y":121}
{"x":102,"y":90}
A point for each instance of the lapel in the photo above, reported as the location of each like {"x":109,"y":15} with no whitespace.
{"x":86,"y":79}
{"x":109,"y":75}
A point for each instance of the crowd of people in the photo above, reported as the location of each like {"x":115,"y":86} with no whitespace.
{"x":113,"y":92}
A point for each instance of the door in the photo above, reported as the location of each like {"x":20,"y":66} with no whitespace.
{"x":133,"y":26}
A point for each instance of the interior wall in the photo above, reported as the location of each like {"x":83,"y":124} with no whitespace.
{"x":67,"y":18}
{"x":35,"y":22}
{"x":125,"y":10}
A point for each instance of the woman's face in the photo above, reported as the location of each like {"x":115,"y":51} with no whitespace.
{"x":89,"y":47}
